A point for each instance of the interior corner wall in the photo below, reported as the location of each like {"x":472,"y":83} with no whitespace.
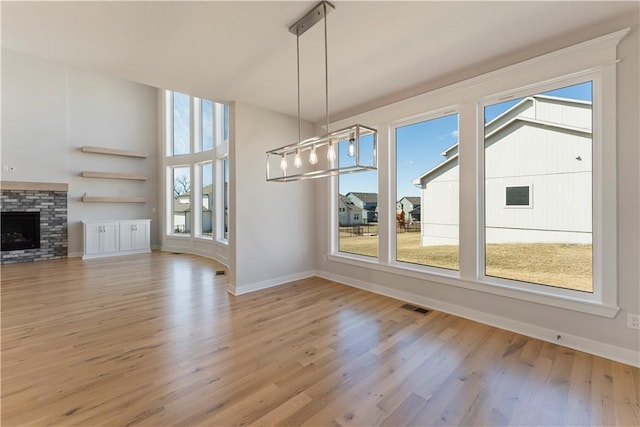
{"x":273,"y":224}
{"x":611,"y":336}
{"x":50,"y":110}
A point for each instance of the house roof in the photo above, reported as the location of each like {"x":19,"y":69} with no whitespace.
{"x":348,"y":203}
{"x":509,"y":120}
{"x":414,"y":200}
{"x":365,"y":197}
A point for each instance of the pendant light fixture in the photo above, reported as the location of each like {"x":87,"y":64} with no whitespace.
{"x":319,"y":157}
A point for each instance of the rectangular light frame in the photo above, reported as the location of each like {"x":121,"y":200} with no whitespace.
{"x":356,"y":132}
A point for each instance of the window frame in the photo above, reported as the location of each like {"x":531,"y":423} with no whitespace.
{"x":194,"y":160}
{"x":590,"y":60}
{"x":448,"y":110}
{"x":597,"y":294}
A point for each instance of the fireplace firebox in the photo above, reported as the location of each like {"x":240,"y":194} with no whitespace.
{"x":20,"y":230}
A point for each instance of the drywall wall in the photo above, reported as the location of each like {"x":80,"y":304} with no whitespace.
{"x":273,"y":224}
{"x":50,"y":110}
{"x":579,"y":330}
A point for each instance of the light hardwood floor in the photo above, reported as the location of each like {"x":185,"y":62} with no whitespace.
{"x":155,"y":340}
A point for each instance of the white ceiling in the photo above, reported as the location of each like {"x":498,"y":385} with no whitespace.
{"x":243,"y":51}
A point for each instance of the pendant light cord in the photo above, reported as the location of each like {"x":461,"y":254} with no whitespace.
{"x":326,"y":68}
{"x":298,"y":61}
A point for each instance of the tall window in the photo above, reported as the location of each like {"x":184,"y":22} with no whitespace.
{"x":181,"y":124}
{"x":181,"y":200}
{"x":427,"y":183}
{"x":358,"y":203}
{"x":206,"y":217}
{"x":196,"y":129}
{"x":538,"y":188}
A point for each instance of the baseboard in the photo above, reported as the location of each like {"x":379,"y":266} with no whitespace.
{"x":618,"y":354}
{"x":74,"y":254}
{"x":264,"y":284}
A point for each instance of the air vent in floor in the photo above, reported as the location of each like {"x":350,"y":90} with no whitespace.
{"x":415,"y":308}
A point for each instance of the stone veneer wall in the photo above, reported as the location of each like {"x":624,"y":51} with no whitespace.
{"x":52,"y":206}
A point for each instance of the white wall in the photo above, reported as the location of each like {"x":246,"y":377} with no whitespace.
{"x":273,"y":223}
{"x":50,"y":110}
{"x":577,"y":329}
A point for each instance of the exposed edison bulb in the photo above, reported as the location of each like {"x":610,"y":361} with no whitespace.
{"x":331,"y":151}
{"x":313,"y":156}
{"x":351,"y":151}
{"x":297,"y":161}
{"x":283,"y":163}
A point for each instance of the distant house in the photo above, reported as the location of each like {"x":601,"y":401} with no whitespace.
{"x":368,"y":202}
{"x":546,"y":198}
{"x":408,"y":205}
{"x":182,"y":217}
{"x":348,"y":213}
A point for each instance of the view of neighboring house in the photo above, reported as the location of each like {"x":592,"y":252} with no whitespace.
{"x":348,"y":213}
{"x":182,"y":211}
{"x":368,"y":202}
{"x":524,"y":200}
{"x":410,"y":205}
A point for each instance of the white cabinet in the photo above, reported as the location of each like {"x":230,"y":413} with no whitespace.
{"x":100,"y":238}
{"x":134,"y":235}
{"x":109,"y":238}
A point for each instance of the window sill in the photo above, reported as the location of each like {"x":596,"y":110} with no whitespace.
{"x":453,"y":279}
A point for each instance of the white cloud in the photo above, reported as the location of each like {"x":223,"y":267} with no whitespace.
{"x":454,"y":134}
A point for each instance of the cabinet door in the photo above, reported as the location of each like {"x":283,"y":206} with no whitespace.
{"x":92,"y":234}
{"x":141,"y":236}
{"x":134,"y":235}
{"x":127,"y":230}
{"x":109,"y":238}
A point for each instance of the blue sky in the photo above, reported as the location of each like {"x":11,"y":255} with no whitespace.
{"x":419,"y":145}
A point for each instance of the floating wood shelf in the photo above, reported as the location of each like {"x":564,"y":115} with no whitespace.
{"x":113,"y":151}
{"x":97,"y":199}
{"x":113,"y":175}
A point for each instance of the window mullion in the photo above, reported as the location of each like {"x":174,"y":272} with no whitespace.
{"x":469,"y":139}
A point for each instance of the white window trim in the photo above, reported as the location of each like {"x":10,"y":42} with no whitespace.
{"x":597,"y":57}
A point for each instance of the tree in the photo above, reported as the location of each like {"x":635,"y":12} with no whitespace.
{"x":181,"y":185}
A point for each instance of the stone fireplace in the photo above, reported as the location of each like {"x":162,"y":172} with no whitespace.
{"x":34,"y":221}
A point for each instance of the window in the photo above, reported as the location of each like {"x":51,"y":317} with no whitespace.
{"x":194,"y":152}
{"x":358,"y":196}
{"x":518,"y":196}
{"x":225,"y":122}
{"x":206,"y":217}
{"x":537,"y":195}
{"x":426,"y":215}
{"x":181,"y":179}
{"x":225,"y":192}
{"x":546,"y":139}
{"x":181,"y":124}
{"x":206,"y":134}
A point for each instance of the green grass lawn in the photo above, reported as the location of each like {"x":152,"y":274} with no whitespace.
{"x":554,"y":264}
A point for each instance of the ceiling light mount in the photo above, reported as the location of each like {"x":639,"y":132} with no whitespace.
{"x":312,"y":17}
{"x":357,"y":143}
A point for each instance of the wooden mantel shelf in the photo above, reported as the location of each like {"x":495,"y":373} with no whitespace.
{"x":34,"y":186}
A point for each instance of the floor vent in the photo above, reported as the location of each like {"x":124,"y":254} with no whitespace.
{"x":415,"y":308}
{"x":220,"y":273}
